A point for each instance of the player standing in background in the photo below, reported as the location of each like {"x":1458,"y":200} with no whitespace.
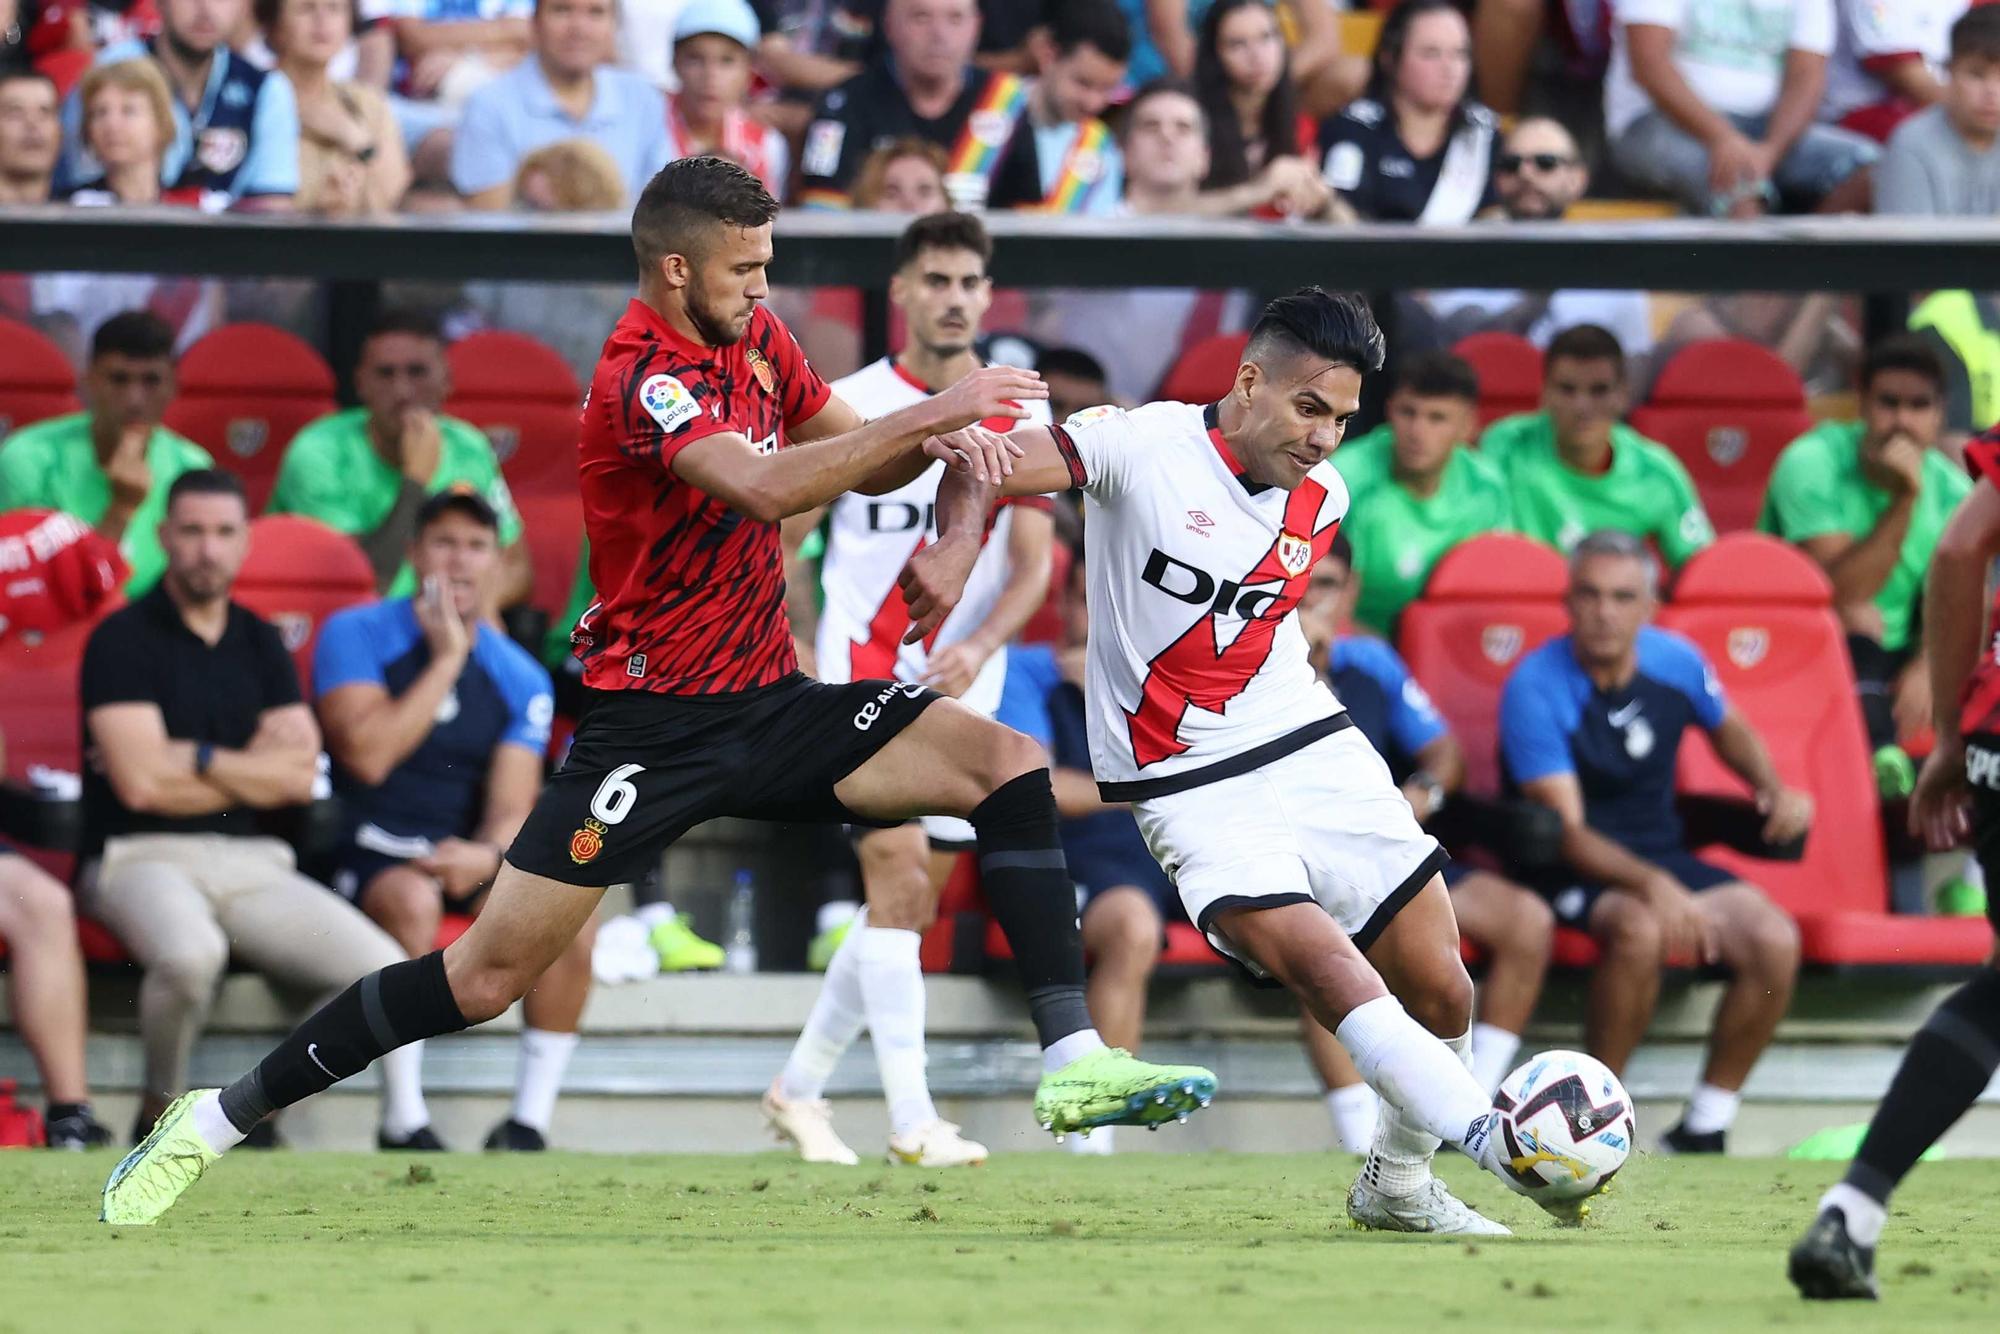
{"x":941,"y":286}
{"x":1290,"y":844}
{"x":1953,"y":1056}
{"x":704,"y":427}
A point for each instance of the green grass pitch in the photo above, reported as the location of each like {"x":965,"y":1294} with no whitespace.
{"x":291,"y":1243}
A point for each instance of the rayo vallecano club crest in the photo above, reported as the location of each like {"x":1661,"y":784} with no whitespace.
{"x":1295,"y":553}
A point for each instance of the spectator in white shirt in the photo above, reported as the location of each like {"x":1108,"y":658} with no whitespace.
{"x":1714,"y":102}
{"x":1946,"y":160}
{"x":1888,"y":62}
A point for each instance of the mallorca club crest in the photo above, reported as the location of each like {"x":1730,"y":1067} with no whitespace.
{"x":761,"y":368}
{"x":1295,"y":553}
{"x":1748,"y":644}
{"x":1501,"y":643}
{"x":586,"y":843}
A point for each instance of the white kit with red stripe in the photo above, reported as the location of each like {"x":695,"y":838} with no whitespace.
{"x":868,"y":541}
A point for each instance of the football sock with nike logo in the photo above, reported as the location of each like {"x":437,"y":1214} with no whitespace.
{"x":402,"y":1003}
{"x":1028,"y":887}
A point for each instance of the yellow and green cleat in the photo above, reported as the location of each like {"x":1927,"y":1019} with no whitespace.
{"x":1112,"y":1087}
{"x":681,"y":950}
{"x":169,"y":1160}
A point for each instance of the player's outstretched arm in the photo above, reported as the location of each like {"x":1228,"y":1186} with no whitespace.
{"x":770,"y":487}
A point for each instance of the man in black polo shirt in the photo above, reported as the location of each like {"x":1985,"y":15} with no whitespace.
{"x":194,"y":731}
{"x":925,"y":86}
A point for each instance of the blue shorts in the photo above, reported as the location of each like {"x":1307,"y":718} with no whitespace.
{"x":368,"y":851}
{"x":1095,"y":873}
{"x":1573,"y":899}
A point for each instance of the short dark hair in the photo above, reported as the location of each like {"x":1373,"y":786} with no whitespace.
{"x":692,"y":193}
{"x":139,"y":334}
{"x":1438,"y":375}
{"x":1903,"y":352}
{"x":406,"y":320}
{"x":458,"y":499}
{"x":28,"y":74}
{"x":1094,"y":23}
{"x":1342,"y":550}
{"x":1071,"y":361}
{"x":1976,"y":35}
{"x":943,"y":231}
{"x":206,"y":482}
{"x":1335,"y":326}
{"x":1161,"y":87}
{"x":267,"y":13}
{"x":1586,"y":342}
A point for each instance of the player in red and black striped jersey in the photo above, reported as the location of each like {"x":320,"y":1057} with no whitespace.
{"x":1953,"y":1056}
{"x":704,"y":429}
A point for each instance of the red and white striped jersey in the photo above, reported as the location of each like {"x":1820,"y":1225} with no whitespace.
{"x":870,"y":538}
{"x":1197,"y":667}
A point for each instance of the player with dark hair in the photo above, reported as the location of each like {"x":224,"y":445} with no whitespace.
{"x":1289,"y":842}
{"x":704,"y":427}
{"x":1953,"y":1056}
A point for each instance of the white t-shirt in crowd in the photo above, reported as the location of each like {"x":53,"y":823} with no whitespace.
{"x":1872,"y":29}
{"x":1731,"y":52}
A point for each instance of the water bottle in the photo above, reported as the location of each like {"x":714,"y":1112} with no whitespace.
{"x":740,"y":954}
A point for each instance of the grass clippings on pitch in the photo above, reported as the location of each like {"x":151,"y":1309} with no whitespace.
{"x":290,"y":1243}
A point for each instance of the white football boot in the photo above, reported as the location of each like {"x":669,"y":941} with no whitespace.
{"x":936,"y":1145}
{"x":808,"y":1124}
{"x":1430,"y":1209}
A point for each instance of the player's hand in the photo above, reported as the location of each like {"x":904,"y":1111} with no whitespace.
{"x":449,"y":637}
{"x":933,"y":581}
{"x":1940,"y":808}
{"x":461,"y":866}
{"x":1732,"y":161}
{"x":987,"y":455}
{"x":1787,"y":812}
{"x":1902,"y":459}
{"x":1688,"y":933}
{"x":423,"y":445}
{"x":954,"y":668}
{"x":1296,"y":188}
{"x":990,"y":391}
{"x":131,"y":477}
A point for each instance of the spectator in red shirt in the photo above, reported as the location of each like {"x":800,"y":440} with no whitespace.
{"x":30,"y":137}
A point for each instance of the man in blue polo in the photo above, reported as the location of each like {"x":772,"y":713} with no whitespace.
{"x":437,"y":724}
{"x":1591,"y":726}
{"x":236,"y":127}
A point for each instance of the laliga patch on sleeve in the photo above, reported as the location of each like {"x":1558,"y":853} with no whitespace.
{"x":1089,"y":416}
{"x":824,"y":140}
{"x":1343,"y":165}
{"x":668,"y":402}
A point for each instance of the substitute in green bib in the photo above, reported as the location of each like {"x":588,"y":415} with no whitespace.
{"x":1576,"y":468}
{"x":111,"y":464}
{"x":1869,"y":500}
{"x":1415,"y":488}
{"x":368,"y":470}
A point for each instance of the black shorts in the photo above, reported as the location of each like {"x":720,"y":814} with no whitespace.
{"x":1573,"y":899}
{"x":645,"y":768}
{"x":1982,"y":773}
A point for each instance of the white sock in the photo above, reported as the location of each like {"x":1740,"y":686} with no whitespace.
{"x":835,"y":914}
{"x":213,"y":1127}
{"x":1064,"y":1050}
{"x":1493,"y":1053}
{"x":1399,"y":1161}
{"x":655,"y":913}
{"x":1355,"y":1110}
{"x":1428,"y":1095}
{"x":838,"y":1014}
{"x":1710,"y":1109}
{"x":1864,"y":1216}
{"x":544,"y":1057}
{"x":403,"y":1109}
{"x":1097,"y":1146}
{"x":892,"y":994}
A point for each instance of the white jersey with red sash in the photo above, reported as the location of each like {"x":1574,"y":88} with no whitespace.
{"x":1198,"y":670}
{"x":757,"y":148}
{"x":868,"y":541}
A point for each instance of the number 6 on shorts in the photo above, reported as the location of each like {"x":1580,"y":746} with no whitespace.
{"x":615,"y":796}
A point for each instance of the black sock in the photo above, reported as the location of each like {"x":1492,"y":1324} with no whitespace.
{"x":1947,"y":1067}
{"x":1027,"y":885}
{"x":58,"y":1110}
{"x":383,"y":1011}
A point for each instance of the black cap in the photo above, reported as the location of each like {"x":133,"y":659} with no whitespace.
{"x":460,"y":498}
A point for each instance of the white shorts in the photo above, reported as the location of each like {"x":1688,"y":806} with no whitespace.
{"x":1325,"y":824}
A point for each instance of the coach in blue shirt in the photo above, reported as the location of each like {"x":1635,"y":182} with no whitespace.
{"x":236,"y":127}
{"x":437,"y":724}
{"x":1591,"y":725}
{"x":562,"y":90}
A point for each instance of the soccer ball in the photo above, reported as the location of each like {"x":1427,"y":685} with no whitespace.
{"x":1565,"y":1126}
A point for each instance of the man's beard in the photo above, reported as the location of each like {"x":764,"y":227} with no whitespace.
{"x":201,"y":585}
{"x":713,"y":331}
{"x":182,"y":51}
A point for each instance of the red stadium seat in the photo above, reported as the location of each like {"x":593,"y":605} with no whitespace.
{"x":1727,"y":408}
{"x":552,"y":526}
{"x":41,"y":716}
{"x":1046,"y":625}
{"x":1489,"y":601}
{"x":1205,"y":371}
{"x":299,"y":573}
{"x":1761,"y":612}
{"x":245,"y":390}
{"x":526,"y":399}
{"x":1510,"y":373}
{"x":36,"y":380}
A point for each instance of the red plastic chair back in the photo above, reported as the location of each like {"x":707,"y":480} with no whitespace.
{"x":1727,"y":408}
{"x":299,"y":573}
{"x":1205,"y":371}
{"x":1510,"y":373}
{"x":526,"y":399}
{"x":36,"y":379}
{"x":552,"y":526}
{"x":245,"y":390}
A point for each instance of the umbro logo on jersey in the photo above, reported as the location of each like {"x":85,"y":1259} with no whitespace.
{"x":1199,"y":523}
